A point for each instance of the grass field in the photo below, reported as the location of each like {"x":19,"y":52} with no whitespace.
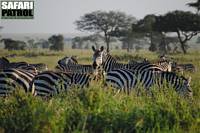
{"x":95,"y":109}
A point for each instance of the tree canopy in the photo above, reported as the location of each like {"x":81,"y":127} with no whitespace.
{"x":109,"y":23}
{"x":185,"y":24}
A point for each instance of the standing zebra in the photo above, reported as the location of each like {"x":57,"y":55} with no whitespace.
{"x":126,"y":80}
{"x":10,"y":79}
{"x":108,"y":63}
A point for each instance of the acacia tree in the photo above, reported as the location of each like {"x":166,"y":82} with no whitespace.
{"x":185,"y":24}
{"x":109,"y":23}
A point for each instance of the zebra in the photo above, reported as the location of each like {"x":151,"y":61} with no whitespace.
{"x":126,"y":80}
{"x":164,"y":64}
{"x":105,"y":60}
{"x":5,"y":64}
{"x":184,"y":67}
{"x":12,"y":78}
{"x":50,"y":83}
{"x":68,"y":61}
{"x":108,"y":63}
{"x":70,"y":64}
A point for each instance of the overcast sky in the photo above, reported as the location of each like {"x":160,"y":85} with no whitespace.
{"x":58,"y":16}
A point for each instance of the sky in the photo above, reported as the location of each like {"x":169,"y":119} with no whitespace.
{"x":58,"y":16}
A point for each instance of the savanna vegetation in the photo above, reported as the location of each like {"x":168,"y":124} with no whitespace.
{"x":96,"y":109}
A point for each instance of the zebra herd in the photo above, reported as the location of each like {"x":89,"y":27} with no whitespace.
{"x":38,"y":80}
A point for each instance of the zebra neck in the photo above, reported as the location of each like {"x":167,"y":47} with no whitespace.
{"x":108,"y":63}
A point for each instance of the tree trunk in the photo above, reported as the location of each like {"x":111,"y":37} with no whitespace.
{"x":182,"y":42}
{"x":107,"y":40}
{"x":183,"y":47}
{"x":128,"y":47}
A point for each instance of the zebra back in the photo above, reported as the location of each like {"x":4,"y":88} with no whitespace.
{"x":49,"y":83}
{"x":126,"y":80}
{"x":76,"y":68}
{"x":10,"y":79}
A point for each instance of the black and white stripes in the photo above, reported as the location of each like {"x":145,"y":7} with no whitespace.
{"x":126,"y":80}
{"x":10,"y":79}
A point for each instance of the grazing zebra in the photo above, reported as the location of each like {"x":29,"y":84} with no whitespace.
{"x":70,"y":64}
{"x":163,"y":64}
{"x":40,"y":67}
{"x":5,"y":64}
{"x":76,"y":68}
{"x":108,"y":63}
{"x":132,"y":62}
{"x":126,"y":80}
{"x":68,"y":61}
{"x":50,"y":83}
{"x":183,"y":67}
{"x":10,"y":79}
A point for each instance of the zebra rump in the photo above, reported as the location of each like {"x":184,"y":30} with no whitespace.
{"x":49,"y":83}
{"x":10,"y":79}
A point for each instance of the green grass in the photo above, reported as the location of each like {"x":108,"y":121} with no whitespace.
{"x":95,"y":109}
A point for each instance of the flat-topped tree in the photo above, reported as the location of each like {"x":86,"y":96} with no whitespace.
{"x":110,"y":24}
{"x":185,"y":24}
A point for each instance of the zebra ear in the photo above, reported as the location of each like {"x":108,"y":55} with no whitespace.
{"x":102,"y":48}
{"x":93,"y":48}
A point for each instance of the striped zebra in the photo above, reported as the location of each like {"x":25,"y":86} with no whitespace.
{"x":10,"y":79}
{"x":70,"y":64}
{"x":108,"y":63}
{"x":68,"y":61}
{"x":126,"y":80}
{"x":5,"y":64}
{"x":50,"y":83}
{"x":162,"y":63}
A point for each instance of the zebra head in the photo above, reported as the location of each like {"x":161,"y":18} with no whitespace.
{"x":68,"y":61}
{"x":98,"y":57}
{"x":186,"y":90}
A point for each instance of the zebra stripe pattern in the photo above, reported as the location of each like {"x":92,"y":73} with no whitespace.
{"x":50,"y":83}
{"x":108,"y":63}
{"x":70,"y":64}
{"x":5,"y":64}
{"x":76,"y":68}
{"x":10,"y":79}
{"x":126,"y":80}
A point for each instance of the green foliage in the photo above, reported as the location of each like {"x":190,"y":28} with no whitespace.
{"x":177,"y":20}
{"x":98,"y":110}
